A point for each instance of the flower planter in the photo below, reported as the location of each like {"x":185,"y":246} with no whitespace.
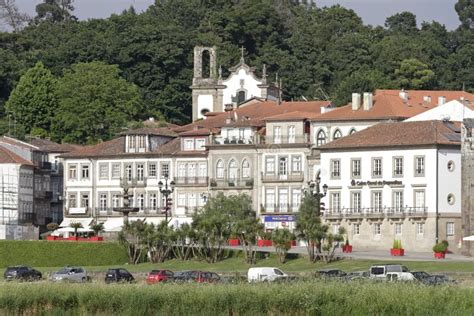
{"x":234,"y":242}
{"x":347,"y":248}
{"x":397,"y":252}
{"x":293,"y":243}
{"x":96,"y":238}
{"x":72,"y":238}
{"x":264,"y":243}
{"x":51,"y":237}
{"x":440,"y":255}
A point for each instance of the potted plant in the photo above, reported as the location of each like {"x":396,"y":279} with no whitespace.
{"x":75,"y":226}
{"x":213,"y":183}
{"x":397,"y":249}
{"x":440,"y":249}
{"x":234,"y":241}
{"x":265,"y":240}
{"x":97,"y":228}
{"x":51,"y":227}
{"x":347,"y":247}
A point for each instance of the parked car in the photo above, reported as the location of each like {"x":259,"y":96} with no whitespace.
{"x":22,"y":273}
{"x":331,"y":274}
{"x":400,"y":276}
{"x":380,"y":271}
{"x":117,"y":275}
{"x":358,"y":275}
{"x":70,"y":274}
{"x":438,"y":280}
{"x":267,"y":274}
{"x":420,"y":275}
{"x":197,"y":276}
{"x":157,"y":276}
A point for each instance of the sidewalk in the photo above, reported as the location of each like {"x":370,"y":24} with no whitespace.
{"x":376,"y":255}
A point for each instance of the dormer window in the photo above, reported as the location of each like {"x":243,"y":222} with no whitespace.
{"x":190,"y":144}
{"x":136,"y":143}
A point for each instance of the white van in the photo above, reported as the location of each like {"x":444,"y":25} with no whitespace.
{"x":265,"y":274}
{"x":380,"y":271}
{"x":400,"y":276}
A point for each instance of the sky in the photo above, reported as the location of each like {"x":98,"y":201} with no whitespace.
{"x":373,"y":12}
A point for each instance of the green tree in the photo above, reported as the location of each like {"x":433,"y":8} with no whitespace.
{"x":95,"y":103}
{"x":330,"y":243}
{"x":184,"y":237}
{"x":413,"y":74}
{"x":465,"y":10}
{"x":97,"y":228}
{"x":34,"y":100}
{"x":160,"y":241}
{"x":133,"y":237}
{"x":281,"y":239}
{"x":403,"y":22}
{"x":55,"y":11}
{"x":76,"y":226}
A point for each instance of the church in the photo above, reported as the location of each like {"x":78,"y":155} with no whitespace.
{"x":213,"y":93}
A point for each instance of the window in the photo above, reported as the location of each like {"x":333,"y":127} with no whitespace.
{"x":449,"y":229}
{"x":335,"y":201}
{"x":277,"y":134}
{"x":116,"y":200}
{"x":321,"y":138}
{"x":153,"y":201}
{"x":131,"y":143}
{"x":291,"y":134}
{"x":116,"y":170}
{"x":103,"y":201}
{"x":355,"y":168}
{"x":72,"y":197}
{"x":202,"y":170}
{"x":419,"y":166}
{"x":283,"y":200}
{"x":84,"y":171}
{"x":85,"y":200}
{"x":419,"y":200}
{"x":181,"y":200}
{"x":451,"y":165}
{"x":283,"y":166}
{"x":420,"y":228}
{"x":192,"y":200}
{"x":295,"y":164}
{"x":398,"y":229}
{"x":165,"y":170}
{"x":451,"y":199}
{"x":192,"y":170}
{"x":189,"y":144}
{"x":376,"y":167}
{"x":269,"y":199}
{"x":337,"y":134}
{"x":72,"y":172}
{"x":352,"y":131}
{"x":128,"y":172}
{"x":241,"y":96}
{"x":181,"y":170}
{"x":200,"y":143}
{"x":335,"y":168}
{"x":142,"y":143}
{"x":140,"y":172}
{"x":377,"y":228}
{"x":377,"y":201}
{"x":245,"y":169}
{"x":270,"y":165}
{"x":295,"y":199}
{"x":356,"y":229}
{"x":356,"y":202}
{"x":398,"y":201}
{"x":398,"y":166}
{"x":152,"y":170}
{"x":141,"y":201}
{"x":232,"y":170}
{"x":220,"y":169}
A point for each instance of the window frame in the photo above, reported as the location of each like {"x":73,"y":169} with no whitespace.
{"x":416,"y":170}
{"x":397,"y":173}
{"x":333,"y":163}
{"x":374,"y":169}
{"x":355,"y":160}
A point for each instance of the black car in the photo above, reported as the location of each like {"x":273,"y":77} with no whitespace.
{"x":22,"y":273}
{"x":421,"y":275}
{"x":118,"y":275}
{"x":184,"y":276}
{"x":331,"y":274}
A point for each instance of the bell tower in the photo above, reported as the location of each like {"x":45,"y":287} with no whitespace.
{"x":206,"y":89}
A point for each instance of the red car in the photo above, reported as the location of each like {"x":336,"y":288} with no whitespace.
{"x":157,"y":276}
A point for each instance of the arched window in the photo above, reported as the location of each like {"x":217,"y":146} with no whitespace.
{"x":220,"y":169}
{"x":352,"y":131}
{"x":321,"y":138}
{"x":233,"y":170}
{"x":245,"y":169}
{"x":241,"y":97}
{"x":337,"y":134}
{"x":206,"y":64}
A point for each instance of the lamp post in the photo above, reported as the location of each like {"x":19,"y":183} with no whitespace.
{"x":166,"y":190}
{"x":315,"y":190}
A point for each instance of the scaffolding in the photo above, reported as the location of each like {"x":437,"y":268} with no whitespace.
{"x":9,"y":197}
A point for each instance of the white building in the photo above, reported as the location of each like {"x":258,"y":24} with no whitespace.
{"x":395,"y":181}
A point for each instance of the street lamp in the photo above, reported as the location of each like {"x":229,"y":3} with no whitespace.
{"x":166,"y":191}
{"x":315,"y":190}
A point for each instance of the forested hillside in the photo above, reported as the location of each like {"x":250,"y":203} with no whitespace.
{"x":84,"y":80}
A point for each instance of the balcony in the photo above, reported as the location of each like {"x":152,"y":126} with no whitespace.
{"x":134,"y":182}
{"x":221,"y":140}
{"x":45,"y":195}
{"x":191,"y":181}
{"x":27,"y":218}
{"x":285,"y":139}
{"x":222,"y":184}
{"x":298,"y":177}
{"x":386,"y":212}
{"x":281,"y":208}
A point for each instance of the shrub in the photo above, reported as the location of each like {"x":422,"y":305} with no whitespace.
{"x":397,"y":244}
{"x":52,"y":226}
{"x":440,"y":247}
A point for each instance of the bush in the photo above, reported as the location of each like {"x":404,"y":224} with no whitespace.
{"x":441,"y":246}
{"x":57,"y":253}
{"x":397,"y":244}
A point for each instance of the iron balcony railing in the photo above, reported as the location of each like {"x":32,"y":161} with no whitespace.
{"x":280,"y":208}
{"x":191,"y":181}
{"x":231,"y":183}
{"x":376,"y":212}
{"x":285,"y":139}
{"x":294,"y":177}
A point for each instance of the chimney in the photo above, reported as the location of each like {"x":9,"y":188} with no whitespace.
{"x":441,"y":100}
{"x":368,"y":101}
{"x":403,"y":95}
{"x":355,"y":101}
{"x":427,"y":99}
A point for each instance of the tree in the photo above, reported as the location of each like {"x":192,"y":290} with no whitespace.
{"x":76,"y":226}
{"x":413,"y":74}
{"x":55,"y":11}
{"x":12,"y":16}
{"x":160,"y":239}
{"x":330,"y":243}
{"x":184,"y":241}
{"x":95,"y":103}
{"x":281,"y":239}
{"x":34,"y":100}
{"x":403,"y":22}
{"x":134,"y":238}
{"x":308,"y":225}
{"x":97,"y":228}
{"x":465,"y":10}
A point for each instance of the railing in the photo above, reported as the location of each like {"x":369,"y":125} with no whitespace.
{"x":219,"y":140}
{"x":231,"y":183}
{"x":298,"y":177}
{"x":134,"y":182}
{"x":285,"y":139}
{"x":368,"y":212}
{"x":27,"y":218}
{"x":191,"y":181}
{"x":141,"y":211}
{"x":280,"y":208}
{"x":48,"y":195}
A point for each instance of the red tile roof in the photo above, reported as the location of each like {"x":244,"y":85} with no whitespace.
{"x":158,"y":131}
{"x":17,"y":142}
{"x":400,"y":134}
{"x":50,"y":146}
{"x":293,"y":116}
{"x":7,"y":156}
{"x":387,"y":104}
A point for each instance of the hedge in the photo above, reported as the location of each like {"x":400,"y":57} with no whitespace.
{"x":304,"y":298}
{"x":58,"y":253}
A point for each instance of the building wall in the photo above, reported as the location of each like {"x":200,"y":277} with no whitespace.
{"x":241,"y":80}
{"x":330,"y":128}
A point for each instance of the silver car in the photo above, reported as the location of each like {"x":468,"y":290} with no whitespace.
{"x":70,"y":274}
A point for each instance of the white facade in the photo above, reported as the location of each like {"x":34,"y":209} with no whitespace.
{"x":242,"y":81}
{"x":453,"y":111}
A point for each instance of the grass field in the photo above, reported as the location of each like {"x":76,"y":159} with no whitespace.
{"x":315,"y":298}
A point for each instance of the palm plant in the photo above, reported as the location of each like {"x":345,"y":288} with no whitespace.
{"x":281,"y":239}
{"x":97,"y":228}
{"x":76,"y":226}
